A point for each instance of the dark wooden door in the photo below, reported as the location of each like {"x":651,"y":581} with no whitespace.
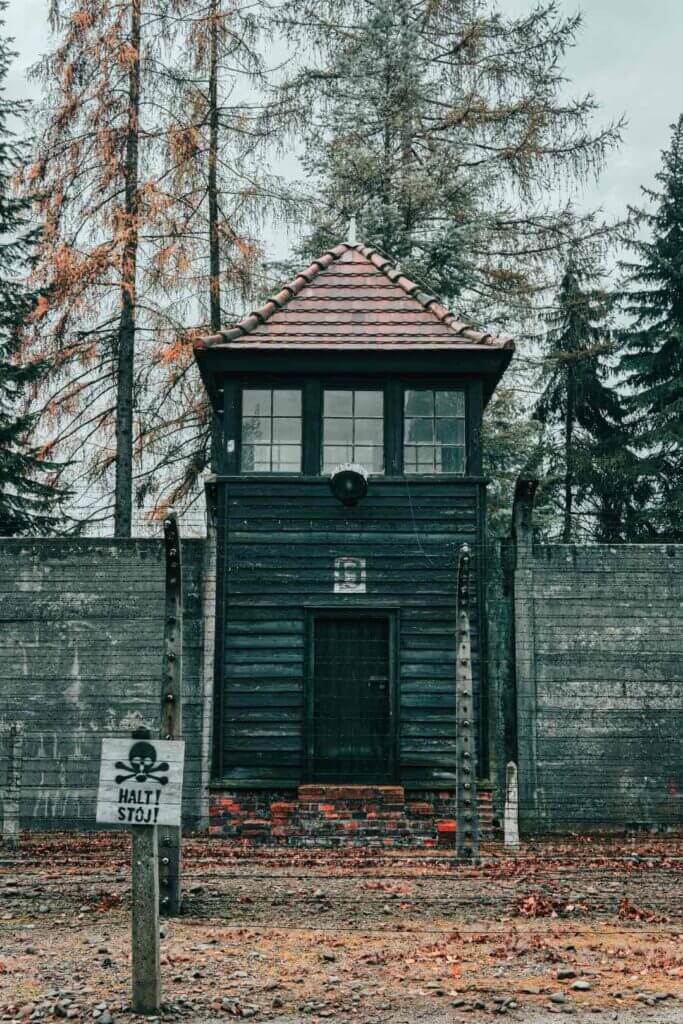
{"x":351,"y":735}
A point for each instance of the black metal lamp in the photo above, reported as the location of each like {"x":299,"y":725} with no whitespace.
{"x":349,"y":483}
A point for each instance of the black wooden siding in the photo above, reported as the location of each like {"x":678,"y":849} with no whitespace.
{"x":278,"y":543}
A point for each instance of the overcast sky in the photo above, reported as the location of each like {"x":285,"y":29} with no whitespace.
{"x":629,"y":56}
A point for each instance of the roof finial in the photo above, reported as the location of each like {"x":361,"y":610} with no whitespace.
{"x":351,"y":238}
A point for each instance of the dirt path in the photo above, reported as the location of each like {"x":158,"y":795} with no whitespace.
{"x":584,"y":929}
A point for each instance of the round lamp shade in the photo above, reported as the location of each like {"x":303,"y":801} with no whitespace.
{"x":349,"y":483}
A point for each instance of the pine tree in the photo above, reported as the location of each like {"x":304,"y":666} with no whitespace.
{"x":513,"y":446}
{"x":440,"y":124}
{"x":653,"y":360}
{"x":28,"y":500}
{"x":590,"y":461}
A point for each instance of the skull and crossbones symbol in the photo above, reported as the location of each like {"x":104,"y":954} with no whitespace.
{"x":143,"y":766}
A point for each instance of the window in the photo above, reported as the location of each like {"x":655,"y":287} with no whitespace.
{"x":434,"y":432}
{"x":353,"y":429}
{"x":271,"y":430}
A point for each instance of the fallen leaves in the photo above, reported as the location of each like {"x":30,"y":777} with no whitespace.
{"x":252,"y":936}
{"x":627,"y":912}
{"x":108,"y":900}
{"x":537,"y":905}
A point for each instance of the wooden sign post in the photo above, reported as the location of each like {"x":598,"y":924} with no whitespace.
{"x":171,"y":727}
{"x":145,"y":921}
{"x":141,"y":784}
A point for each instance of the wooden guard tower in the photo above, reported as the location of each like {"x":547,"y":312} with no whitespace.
{"x":351,"y":405}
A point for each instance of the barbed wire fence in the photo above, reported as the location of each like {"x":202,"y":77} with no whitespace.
{"x":83,"y":633}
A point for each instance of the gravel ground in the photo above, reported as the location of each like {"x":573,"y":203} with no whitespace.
{"x":588,"y":929}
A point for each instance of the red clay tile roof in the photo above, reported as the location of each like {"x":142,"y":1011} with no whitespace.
{"x":352,"y":297}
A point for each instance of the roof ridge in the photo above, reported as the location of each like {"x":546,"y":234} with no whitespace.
{"x":305,"y":277}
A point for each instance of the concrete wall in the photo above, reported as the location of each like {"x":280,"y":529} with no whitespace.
{"x":81,"y":629}
{"x":585,"y":663}
{"x":599,"y":682}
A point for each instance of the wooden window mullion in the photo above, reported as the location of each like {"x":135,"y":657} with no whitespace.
{"x":312,"y":428}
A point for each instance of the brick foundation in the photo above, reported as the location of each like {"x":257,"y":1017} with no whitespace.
{"x":317,"y":815}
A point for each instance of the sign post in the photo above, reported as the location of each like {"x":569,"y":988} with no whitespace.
{"x":141,"y":783}
{"x":145,"y":921}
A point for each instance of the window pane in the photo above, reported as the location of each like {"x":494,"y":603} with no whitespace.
{"x":338,"y":431}
{"x":256,"y":458}
{"x":370,"y":457}
{"x":450,"y":403}
{"x":254,"y":429}
{"x":450,"y":431}
{"x":369,"y":431}
{"x":336,"y":455}
{"x":286,"y":429}
{"x":434,"y":431}
{"x":452,"y":459}
{"x":271,"y":430}
{"x":339,"y":403}
{"x":420,"y":431}
{"x":353,"y":429}
{"x":256,"y":402}
{"x":286,"y":458}
{"x":419,"y":403}
{"x":286,"y":402}
{"x":247,"y":458}
{"x":369,"y":403}
{"x":425,"y":459}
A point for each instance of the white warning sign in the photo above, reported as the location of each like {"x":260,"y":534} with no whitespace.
{"x":141,"y":782}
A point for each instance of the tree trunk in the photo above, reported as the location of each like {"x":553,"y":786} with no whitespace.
{"x":214,"y":246}
{"x":123,"y":499}
{"x":406,"y":126}
{"x":214,"y":240}
{"x":568,"y":456}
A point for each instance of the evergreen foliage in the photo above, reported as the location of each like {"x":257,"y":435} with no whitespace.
{"x":653,"y":360}
{"x":513,"y":446}
{"x":28,"y":499}
{"x":440,"y":125}
{"x":591,"y":468}
{"x":444,"y":127}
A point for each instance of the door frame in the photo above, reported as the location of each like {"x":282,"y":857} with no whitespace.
{"x":331,"y":611}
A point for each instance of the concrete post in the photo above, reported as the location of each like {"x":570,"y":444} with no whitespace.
{"x":525,"y":657}
{"x":12,"y":796}
{"x":171,"y":727}
{"x":467,"y":834}
{"x":510,"y":818}
{"x":209,"y":583}
{"x":522,"y":511}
